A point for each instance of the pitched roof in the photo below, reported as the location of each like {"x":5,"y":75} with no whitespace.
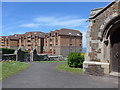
{"x":65,"y":31}
{"x":102,"y":10}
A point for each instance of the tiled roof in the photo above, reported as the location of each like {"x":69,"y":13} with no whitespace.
{"x":13,"y":37}
{"x":64,"y":31}
{"x":40,"y":34}
{"x":69,"y":32}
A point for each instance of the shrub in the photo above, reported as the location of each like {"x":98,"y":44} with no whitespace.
{"x":7,"y":50}
{"x":75,"y":60}
{"x":25,"y":51}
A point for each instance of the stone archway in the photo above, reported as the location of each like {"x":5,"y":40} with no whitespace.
{"x":111,"y":39}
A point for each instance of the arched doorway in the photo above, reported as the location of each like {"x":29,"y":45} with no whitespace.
{"x":115,"y":50}
{"x":111,"y":39}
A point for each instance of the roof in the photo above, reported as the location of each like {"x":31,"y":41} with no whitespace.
{"x":41,"y":34}
{"x":13,"y":37}
{"x":3,"y":36}
{"x":64,"y":31}
{"x":101,"y":11}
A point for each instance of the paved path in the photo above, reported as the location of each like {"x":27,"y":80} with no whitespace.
{"x":45,"y":75}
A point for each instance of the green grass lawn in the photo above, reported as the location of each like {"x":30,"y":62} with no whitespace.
{"x":52,"y":61}
{"x":9,"y":68}
{"x":65,"y":67}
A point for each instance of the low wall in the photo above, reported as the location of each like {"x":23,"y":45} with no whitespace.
{"x":9,"y":57}
{"x":21,"y":56}
{"x":42,"y":57}
{"x":56,"y":58}
{"x":17,"y":56}
{"x":96,"y":68}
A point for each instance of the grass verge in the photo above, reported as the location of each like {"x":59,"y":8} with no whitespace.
{"x":52,"y":61}
{"x":10,"y":68}
{"x":65,"y":67}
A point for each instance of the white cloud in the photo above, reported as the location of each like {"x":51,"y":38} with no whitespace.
{"x":68,"y":21}
{"x":30,"y":25}
{"x":61,"y":21}
{"x":45,"y":19}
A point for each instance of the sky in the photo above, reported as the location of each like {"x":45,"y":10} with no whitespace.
{"x":21,"y":17}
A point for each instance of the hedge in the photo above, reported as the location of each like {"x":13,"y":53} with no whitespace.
{"x":7,"y":50}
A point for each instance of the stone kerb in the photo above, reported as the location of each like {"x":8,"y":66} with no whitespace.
{"x":33,"y":55}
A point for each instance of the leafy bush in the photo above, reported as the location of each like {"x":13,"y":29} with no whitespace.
{"x":7,"y":50}
{"x":75,"y":59}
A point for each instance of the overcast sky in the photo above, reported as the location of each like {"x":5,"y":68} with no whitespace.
{"x":21,"y":17}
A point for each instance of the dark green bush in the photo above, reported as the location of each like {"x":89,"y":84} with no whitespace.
{"x":7,"y":50}
{"x":75,"y":60}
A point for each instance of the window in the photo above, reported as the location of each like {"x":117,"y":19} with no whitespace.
{"x":50,"y":34}
{"x":54,"y":51}
{"x":29,"y":45}
{"x":80,"y":44}
{"x":50,"y":39}
{"x":50,"y":44}
{"x":29,"y":41}
{"x":70,"y":44}
{"x":55,"y":34}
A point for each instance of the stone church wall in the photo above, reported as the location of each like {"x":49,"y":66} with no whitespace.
{"x":95,"y":54}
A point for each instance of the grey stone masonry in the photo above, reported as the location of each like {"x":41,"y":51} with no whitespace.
{"x":33,"y":55}
{"x":19,"y":55}
{"x":102,"y":20}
